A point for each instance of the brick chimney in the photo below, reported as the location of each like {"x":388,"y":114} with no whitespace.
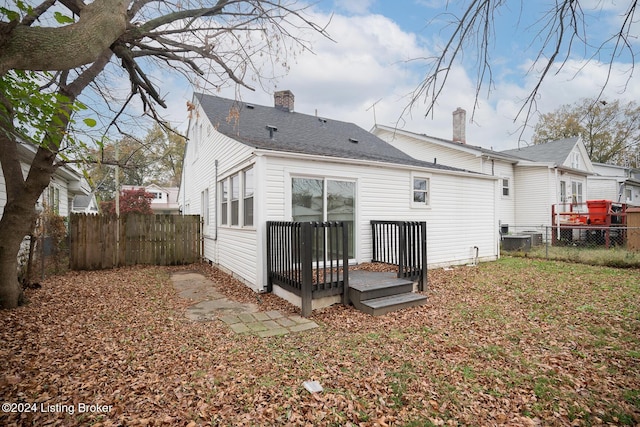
{"x":283,"y":100}
{"x":459,"y":125}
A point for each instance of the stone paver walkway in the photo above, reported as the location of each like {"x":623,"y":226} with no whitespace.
{"x":242,"y":318}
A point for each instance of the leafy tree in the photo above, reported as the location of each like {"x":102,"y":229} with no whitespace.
{"x":609,"y":130}
{"x":133,"y":166}
{"x":167,"y":152}
{"x":157,"y":159}
{"x":131,"y":201}
{"x":50,"y":53}
{"x":561,"y":31}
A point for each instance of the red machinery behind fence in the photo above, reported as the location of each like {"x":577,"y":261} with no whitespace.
{"x":597,"y":221}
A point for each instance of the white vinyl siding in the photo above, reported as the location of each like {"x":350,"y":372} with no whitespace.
{"x":233,"y":249}
{"x":381,"y":192}
{"x":535,"y":193}
{"x":384,"y":194}
{"x":429,"y":152}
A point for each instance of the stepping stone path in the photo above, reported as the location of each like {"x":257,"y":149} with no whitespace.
{"x":242,"y":318}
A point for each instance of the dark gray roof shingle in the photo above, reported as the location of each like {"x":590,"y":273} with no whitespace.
{"x":301,"y":133}
{"x":550,"y":152}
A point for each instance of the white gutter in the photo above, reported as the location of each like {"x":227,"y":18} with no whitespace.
{"x":370,"y":163}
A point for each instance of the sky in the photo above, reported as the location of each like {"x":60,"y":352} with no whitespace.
{"x":375,"y":60}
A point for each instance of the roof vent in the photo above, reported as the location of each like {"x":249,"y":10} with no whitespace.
{"x":250,"y":106}
{"x":321,"y":120}
{"x":272,"y":129}
{"x":355,"y":141}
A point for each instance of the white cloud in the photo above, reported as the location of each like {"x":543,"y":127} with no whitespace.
{"x":367,"y":65}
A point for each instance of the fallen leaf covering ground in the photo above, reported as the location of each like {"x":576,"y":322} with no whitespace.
{"x":513,"y":342}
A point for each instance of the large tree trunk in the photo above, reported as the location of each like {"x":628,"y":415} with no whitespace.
{"x":23,"y":193}
{"x":19,"y":212}
{"x":14,"y":226}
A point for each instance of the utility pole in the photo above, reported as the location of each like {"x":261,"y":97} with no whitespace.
{"x":117,"y":205}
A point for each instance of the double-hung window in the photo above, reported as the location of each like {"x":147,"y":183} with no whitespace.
{"x":420,"y":190}
{"x":505,"y":187}
{"x":247,"y":194}
{"x":224,"y":205}
{"x":236,"y":199}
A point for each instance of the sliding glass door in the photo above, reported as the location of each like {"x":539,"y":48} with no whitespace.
{"x":314,"y":199}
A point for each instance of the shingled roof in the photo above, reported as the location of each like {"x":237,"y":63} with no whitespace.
{"x":550,"y":152}
{"x":277,"y":129}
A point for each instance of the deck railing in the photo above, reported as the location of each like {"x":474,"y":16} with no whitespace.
{"x":309,"y":259}
{"x":403,"y":243}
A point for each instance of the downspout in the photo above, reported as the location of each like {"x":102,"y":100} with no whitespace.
{"x":215,"y":197}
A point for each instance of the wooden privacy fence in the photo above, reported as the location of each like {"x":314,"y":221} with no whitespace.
{"x":105,"y":241}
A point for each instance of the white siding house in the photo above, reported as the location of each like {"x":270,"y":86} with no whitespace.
{"x":65,"y":184}
{"x":463,"y":156}
{"x":165,"y":199}
{"x":528,"y":180}
{"x":616,"y":183}
{"x":248,"y":164}
{"x":553,"y":173}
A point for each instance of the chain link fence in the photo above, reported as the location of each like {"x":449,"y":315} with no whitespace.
{"x":615,"y":245}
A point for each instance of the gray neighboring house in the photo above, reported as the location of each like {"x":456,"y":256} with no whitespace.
{"x":529,"y":180}
{"x":617,"y":183}
{"x":247,"y":164}
{"x":553,"y":173}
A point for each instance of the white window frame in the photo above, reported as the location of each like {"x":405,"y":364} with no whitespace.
{"x":579,"y":193}
{"x":204,"y":206}
{"x":575,"y":160}
{"x":227,"y":199}
{"x":246,"y":197}
{"x":507,"y":187}
{"x":234,"y":219}
{"x":427,"y":191}
{"x":325,"y":182}
{"x":224,"y":202}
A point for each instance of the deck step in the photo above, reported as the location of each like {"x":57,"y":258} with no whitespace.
{"x":378,"y":289}
{"x":387,"y":304}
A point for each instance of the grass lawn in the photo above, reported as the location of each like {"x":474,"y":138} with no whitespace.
{"x":513,"y":342}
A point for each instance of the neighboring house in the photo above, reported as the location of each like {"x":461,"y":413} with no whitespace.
{"x":165,"y":199}
{"x":458,"y":153}
{"x":248,"y":164}
{"x":530,"y":180}
{"x":66,"y":183}
{"x":616,"y":183}
{"x":553,"y":173}
{"x":85,"y":204}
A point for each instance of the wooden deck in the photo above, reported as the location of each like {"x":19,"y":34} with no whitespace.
{"x":378,"y":293}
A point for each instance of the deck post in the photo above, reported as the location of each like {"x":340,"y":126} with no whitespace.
{"x":345,"y":264}
{"x":423,"y":250}
{"x":270,"y":254}
{"x":402,"y":247}
{"x":306,"y":293}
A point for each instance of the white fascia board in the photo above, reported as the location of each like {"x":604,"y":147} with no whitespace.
{"x":341,"y":160}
